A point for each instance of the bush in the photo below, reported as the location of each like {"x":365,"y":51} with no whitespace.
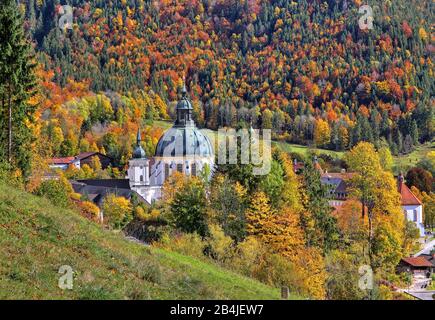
{"x":220,"y":246}
{"x":90,"y":210}
{"x":189,"y":244}
{"x":117,"y":211}
{"x":278,"y":271}
{"x":55,"y":191}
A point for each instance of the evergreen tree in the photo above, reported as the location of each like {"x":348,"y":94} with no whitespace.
{"x":17,"y":83}
{"x":325,"y":232}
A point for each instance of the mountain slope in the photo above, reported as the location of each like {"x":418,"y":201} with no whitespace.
{"x":278,"y":64}
{"x":36,"y":239}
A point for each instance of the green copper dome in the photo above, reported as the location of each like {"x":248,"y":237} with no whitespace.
{"x":184,"y":139}
{"x":139,"y":152}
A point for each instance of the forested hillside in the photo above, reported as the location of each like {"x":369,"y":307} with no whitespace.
{"x":303,"y":68}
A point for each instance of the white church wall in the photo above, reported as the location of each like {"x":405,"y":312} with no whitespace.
{"x":414,"y":213}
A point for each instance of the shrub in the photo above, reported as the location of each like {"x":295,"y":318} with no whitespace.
{"x":55,"y":191}
{"x":220,"y":246}
{"x":117,"y":211}
{"x":90,"y":210}
{"x":189,"y":244}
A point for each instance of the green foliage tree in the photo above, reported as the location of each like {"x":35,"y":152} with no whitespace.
{"x":17,"y":84}
{"x":325,"y":233}
{"x":188,"y":208}
{"x":420,"y":178}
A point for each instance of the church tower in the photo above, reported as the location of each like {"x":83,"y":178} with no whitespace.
{"x":139,"y":167}
{"x":183,"y":148}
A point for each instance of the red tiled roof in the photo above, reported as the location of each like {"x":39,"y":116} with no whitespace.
{"x":417,"y":262}
{"x":66,"y":160}
{"x":408,"y":198}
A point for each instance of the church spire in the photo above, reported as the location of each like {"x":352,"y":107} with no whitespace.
{"x":138,"y":137}
{"x":184,"y":89}
{"x":139,"y":152}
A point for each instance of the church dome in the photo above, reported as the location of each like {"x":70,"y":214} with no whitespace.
{"x":184,"y":141}
{"x":139,"y":153}
{"x":184,"y":104}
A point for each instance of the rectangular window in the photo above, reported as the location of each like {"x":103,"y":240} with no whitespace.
{"x":415,"y":216}
{"x":180,"y":167}
{"x":194,"y":169}
{"x":166,"y":171}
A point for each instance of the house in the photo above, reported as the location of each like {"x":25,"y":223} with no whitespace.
{"x":80,"y":160}
{"x":97,"y":190}
{"x":431,"y":258}
{"x":64,"y":163}
{"x":338,"y":190}
{"x":412,"y":206}
{"x":338,"y":187}
{"x":416,"y":266}
{"x":86,"y":158}
{"x":298,"y":167}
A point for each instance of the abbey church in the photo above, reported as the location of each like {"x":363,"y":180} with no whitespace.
{"x":182,"y":148}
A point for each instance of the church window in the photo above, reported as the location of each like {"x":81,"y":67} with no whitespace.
{"x":166,"y":170}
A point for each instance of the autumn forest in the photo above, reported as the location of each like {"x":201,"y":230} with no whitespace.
{"x":104,"y":76}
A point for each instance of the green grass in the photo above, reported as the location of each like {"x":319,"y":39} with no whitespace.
{"x":401,"y":163}
{"x":405,"y":162}
{"x":37,"y":238}
{"x":304,"y":150}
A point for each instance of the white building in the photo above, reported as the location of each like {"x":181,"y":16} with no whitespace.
{"x":182,"y":148}
{"x":338,"y":184}
{"x":412,"y":206}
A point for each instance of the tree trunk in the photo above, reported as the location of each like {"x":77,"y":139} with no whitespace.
{"x":370,"y":218}
{"x":10,"y":127}
{"x":363,"y":210}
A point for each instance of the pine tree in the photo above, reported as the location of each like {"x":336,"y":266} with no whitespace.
{"x":325,"y":232}
{"x":17,"y":83}
{"x":414,"y":132}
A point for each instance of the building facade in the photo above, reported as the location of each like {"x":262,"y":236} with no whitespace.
{"x":183,"y":148}
{"x":338,"y":191}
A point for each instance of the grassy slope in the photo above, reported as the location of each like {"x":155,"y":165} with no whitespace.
{"x":36,"y":238}
{"x":403,"y":163}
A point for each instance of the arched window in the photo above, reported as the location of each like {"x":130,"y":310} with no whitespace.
{"x":166,"y":171}
{"x":180,"y":167}
{"x":141,"y":178}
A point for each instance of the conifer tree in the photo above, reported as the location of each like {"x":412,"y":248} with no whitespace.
{"x":17,"y":83}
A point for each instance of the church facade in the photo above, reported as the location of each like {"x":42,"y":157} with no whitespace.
{"x":183,"y":148}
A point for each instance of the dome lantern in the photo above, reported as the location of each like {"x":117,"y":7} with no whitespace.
{"x":184,"y":110}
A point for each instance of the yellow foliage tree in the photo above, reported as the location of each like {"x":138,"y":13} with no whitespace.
{"x":322,"y":133}
{"x":117,"y":211}
{"x":258,"y":213}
